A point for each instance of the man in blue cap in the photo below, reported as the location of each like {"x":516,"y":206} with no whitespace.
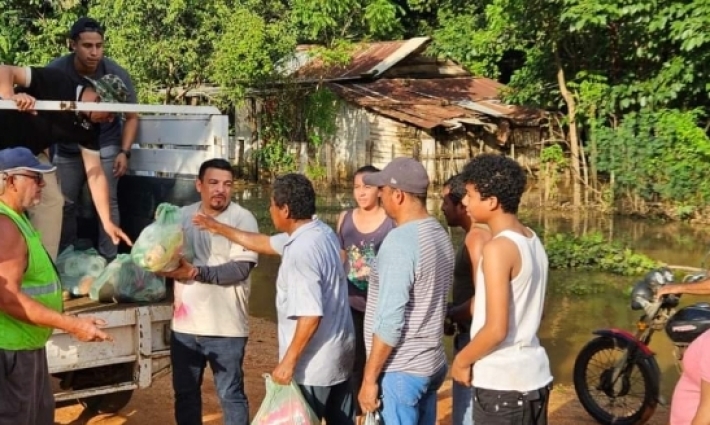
{"x":37,"y":130}
{"x":30,"y":297}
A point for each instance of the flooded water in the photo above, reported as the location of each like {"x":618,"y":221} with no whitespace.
{"x":569,"y":319}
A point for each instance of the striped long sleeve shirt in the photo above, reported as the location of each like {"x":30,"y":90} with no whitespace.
{"x":407,"y":296}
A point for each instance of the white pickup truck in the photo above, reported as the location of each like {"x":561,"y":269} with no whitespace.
{"x":171,"y":145}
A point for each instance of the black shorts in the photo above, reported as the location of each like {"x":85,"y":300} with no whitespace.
{"x":491,"y":407}
{"x":25,"y":388}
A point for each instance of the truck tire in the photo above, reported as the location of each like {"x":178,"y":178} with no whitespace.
{"x":107,"y":403}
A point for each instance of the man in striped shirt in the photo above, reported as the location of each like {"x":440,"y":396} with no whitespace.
{"x":408,"y":288}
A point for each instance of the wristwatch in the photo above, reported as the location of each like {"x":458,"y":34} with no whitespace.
{"x":126,"y":152}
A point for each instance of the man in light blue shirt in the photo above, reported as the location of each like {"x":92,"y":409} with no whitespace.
{"x":316,"y":333}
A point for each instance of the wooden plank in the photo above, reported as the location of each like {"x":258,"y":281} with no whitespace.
{"x":409,"y":47}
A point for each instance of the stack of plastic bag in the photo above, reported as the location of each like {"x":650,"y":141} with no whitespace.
{"x":284,"y":405}
{"x":124,"y":281}
{"x":78,"y":270}
{"x":159,"y":246}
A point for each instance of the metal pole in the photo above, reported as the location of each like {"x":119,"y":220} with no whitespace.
{"x":57,"y":105}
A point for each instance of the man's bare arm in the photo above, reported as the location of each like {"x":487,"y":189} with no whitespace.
{"x":13,"y":262}
{"x":9,"y":76}
{"x":256,"y":242}
{"x":98,"y":186}
{"x":306,"y":327}
{"x":498,"y":264}
{"x":379,"y":354}
{"x":697,"y":288}
{"x":130,"y":129}
{"x":702,"y":415}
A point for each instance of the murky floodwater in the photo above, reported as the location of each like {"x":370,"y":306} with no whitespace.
{"x":569,"y":319}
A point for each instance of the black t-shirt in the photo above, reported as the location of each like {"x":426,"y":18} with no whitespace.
{"x":39,"y":132}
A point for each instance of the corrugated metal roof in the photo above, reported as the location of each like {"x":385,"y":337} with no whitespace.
{"x":368,"y":59}
{"x":429,"y":103}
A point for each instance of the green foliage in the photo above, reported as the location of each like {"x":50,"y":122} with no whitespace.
{"x":316,"y":172}
{"x":553,"y":154}
{"x":320,"y":111}
{"x":163,"y":43}
{"x":662,"y":156}
{"x":593,"y":252}
{"x":247,"y":53}
{"x":330,"y":21}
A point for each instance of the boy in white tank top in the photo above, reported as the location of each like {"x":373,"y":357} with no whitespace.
{"x":504,"y":361}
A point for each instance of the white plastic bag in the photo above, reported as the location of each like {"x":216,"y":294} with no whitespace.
{"x":284,"y":405}
{"x":372,"y":418}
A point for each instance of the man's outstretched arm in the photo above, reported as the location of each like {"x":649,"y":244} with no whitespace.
{"x":257,"y":242}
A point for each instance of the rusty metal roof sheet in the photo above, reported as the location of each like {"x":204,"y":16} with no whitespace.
{"x":429,"y":103}
{"x":368,"y":59}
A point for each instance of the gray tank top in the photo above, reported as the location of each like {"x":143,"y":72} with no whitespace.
{"x":361,"y":250}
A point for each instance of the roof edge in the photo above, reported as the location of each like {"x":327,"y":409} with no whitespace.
{"x":406,"y":49}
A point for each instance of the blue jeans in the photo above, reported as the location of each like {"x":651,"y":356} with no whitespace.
{"x":410,"y":399}
{"x":462,"y":408}
{"x":72,"y":177}
{"x":189,"y":355}
{"x":334,"y":403}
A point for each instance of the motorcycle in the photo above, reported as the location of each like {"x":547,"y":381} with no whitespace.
{"x":616,"y":375}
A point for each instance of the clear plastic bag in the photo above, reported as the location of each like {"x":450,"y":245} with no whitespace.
{"x":79,"y":269}
{"x":159,"y":246}
{"x":284,"y":405}
{"x":124,"y":281}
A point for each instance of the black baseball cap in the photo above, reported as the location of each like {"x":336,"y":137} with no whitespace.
{"x":85,"y":24}
{"x":405,"y":174}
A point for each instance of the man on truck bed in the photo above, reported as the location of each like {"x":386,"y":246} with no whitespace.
{"x":30,"y":297}
{"x":87,"y":60}
{"x":37,"y":130}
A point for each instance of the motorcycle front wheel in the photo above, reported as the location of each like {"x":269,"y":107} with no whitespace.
{"x":625,"y":395}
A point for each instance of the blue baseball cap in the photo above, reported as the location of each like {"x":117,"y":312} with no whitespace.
{"x":12,"y":159}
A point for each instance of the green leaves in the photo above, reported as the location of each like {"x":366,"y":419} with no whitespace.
{"x":593,"y":252}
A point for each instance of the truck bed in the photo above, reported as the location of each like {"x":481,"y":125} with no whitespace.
{"x":87,"y":305}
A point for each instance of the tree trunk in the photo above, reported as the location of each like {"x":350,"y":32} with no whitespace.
{"x":593,"y":153}
{"x":573,"y":133}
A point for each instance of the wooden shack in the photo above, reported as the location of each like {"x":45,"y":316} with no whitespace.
{"x":395,"y":99}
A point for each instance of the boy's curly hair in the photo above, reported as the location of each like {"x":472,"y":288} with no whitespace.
{"x":499,"y":176}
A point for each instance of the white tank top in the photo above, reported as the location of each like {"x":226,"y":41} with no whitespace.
{"x":519,"y":363}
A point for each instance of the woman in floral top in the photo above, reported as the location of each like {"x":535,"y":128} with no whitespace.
{"x":361,"y":231}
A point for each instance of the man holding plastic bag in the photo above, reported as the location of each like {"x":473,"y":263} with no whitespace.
{"x":210,"y":320}
{"x":316,"y":334}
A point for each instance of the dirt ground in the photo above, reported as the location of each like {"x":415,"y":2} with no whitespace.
{"x":155,"y":404}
